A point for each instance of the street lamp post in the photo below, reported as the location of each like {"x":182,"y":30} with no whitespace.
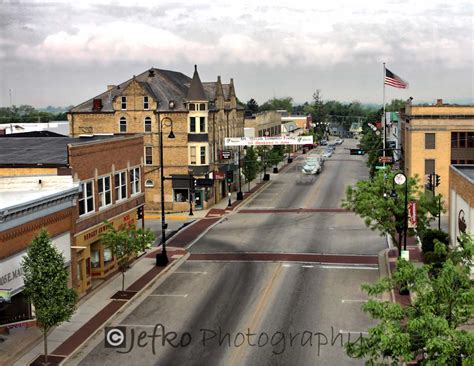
{"x":191,"y":190}
{"x":162,"y":258}
{"x":240,"y":195}
{"x":400,"y":179}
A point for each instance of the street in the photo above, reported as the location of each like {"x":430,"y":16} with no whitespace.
{"x":216,"y":311}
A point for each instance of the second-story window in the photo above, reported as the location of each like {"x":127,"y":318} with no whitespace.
{"x":123,"y":125}
{"x":148,"y":155}
{"x":135,"y":180}
{"x":202,"y":124}
{"x":120,"y":186}
{"x":105,"y":195}
{"x":147,"y":124}
{"x":192,"y":155}
{"x":192,"y":124}
{"x":430,"y":142}
{"x":124,"y":103}
{"x":86,"y":198}
{"x":145,"y":103}
{"x":203,"y":155}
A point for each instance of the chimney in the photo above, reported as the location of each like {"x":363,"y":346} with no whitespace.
{"x":439,"y":102}
{"x":110,"y":87}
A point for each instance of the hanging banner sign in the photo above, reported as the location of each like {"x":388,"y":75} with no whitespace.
{"x":273,"y":140}
{"x":412,"y":215}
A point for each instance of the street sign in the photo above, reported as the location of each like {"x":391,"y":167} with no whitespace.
{"x":272,"y":140}
{"x":226,"y":154}
{"x":204,"y":182}
{"x":380,"y":167}
{"x":412,"y":215}
{"x":219,"y":175}
{"x":385,"y":159}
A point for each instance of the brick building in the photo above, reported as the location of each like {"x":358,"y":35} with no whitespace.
{"x":434,"y":137}
{"x":200,"y":114}
{"x":28,"y":204}
{"x":110,"y":174}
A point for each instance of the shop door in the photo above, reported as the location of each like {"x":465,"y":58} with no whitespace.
{"x":198,"y":200}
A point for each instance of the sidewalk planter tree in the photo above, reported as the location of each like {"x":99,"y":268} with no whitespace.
{"x":46,"y":285}
{"x":250,"y":166}
{"x":372,"y":202}
{"x":429,"y":330}
{"x":125,"y":243}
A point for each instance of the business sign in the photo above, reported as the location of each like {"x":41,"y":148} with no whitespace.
{"x":226,"y":154}
{"x":219,"y":175}
{"x":385,"y":159}
{"x":412,"y":215}
{"x":204,"y":182}
{"x":271,"y":140}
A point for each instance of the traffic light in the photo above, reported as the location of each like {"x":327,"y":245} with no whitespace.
{"x":229,"y":176}
{"x":140,"y":213}
{"x":437,"y":180}
{"x":357,"y":152}
{"x":429,"y":182}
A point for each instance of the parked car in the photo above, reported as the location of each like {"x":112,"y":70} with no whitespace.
{"x":331,"y":147}
{"x":327,"y":154}
{"x":339,"y":141}
{"x":323,"y":142}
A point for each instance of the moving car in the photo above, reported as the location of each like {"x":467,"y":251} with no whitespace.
{"x":312,"y":167}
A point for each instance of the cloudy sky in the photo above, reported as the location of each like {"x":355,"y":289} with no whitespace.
{"x":62,"y":53}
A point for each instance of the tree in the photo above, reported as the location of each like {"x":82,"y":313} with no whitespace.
{"x":252,"y":106}
{"x":395,"y":105}
{"x":318,"y":113}
{"x":372,"y":202}
{"x":125,"y":243}
{"x":373,"y":145}
{"x":277,"y":104}
{"x":429,"y":330}
{"x":46,"y":285}
{"x":250,"y":168}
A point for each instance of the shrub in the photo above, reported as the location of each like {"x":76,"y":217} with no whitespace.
{"x":428,"y":239}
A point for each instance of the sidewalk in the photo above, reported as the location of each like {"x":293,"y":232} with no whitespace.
{"x":92,"y":312}
{"x":96,"y":308}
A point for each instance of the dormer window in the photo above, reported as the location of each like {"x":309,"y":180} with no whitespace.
{"x":202,"y":107}
{"x":124,"y":103}
{"x":192,"y":106}
{"x":145,"y":103}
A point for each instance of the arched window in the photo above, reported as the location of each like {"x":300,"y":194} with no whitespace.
{"x":149,"y":183}
{"x":123,"y":125}
{"x":147,"y":124}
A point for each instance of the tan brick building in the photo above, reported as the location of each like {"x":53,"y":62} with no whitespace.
{"x":435,"y":136}
{"x":200,"y":114}
{"x":110,"y":175}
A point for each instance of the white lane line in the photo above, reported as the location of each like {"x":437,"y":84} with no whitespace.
{"x":286,"y":265}
{"x":350,"y":300}
{"x":170,"y":295}
{"x":307,"y":266}
{"x":349,"y":267}
{"x":191,"y":272}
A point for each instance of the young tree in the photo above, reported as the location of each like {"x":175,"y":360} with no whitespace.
{"x":126,"y":242}
{"x":429,"y":330}
{"x":252,"y":105}
{"x":372,"y":200}
{"x":46,"y":285}
{"x":250,"y":168}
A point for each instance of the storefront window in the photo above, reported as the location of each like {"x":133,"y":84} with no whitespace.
{"x":180,"y":195}
{"x":95,"y":259}
{"x":107,"y":256}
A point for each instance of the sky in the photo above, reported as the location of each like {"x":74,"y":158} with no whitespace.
{"x":62,"y":53}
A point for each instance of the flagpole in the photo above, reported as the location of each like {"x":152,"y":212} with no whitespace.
{"x":383,"y":115}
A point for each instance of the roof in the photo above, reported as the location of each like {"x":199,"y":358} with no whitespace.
{"x":39,"y":151}
{"x":467,"y":170}
{"x":196,"y":91}
{"x":19,"y":191}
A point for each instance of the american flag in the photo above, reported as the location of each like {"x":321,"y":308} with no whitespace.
{"x":394,"y":80}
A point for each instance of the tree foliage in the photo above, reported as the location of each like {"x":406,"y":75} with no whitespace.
{"x":430,"y":329}
{"x":277,"y":104}
{"x":250,"y":166}
{"x":125,"y":243}
{"x":371,"y":200}
{"x":252,"y":105}
{"x":26,"y":113}
{"x":46,"y":284}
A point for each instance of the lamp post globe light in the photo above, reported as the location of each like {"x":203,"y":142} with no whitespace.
{"x":162,"y":258}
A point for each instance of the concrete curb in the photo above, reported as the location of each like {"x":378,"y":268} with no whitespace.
{"x":161,"y":276}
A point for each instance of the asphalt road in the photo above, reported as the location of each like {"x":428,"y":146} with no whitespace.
{"x":259,"y":313}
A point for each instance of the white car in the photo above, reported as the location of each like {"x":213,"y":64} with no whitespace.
{"x":315,"y":159}
{"x":311,"y":168}
{"x":327,"y":154}
{"x":339,"y":141}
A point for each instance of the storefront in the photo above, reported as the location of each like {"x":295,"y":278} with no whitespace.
{"x":14,"y":307}
{"x":93,"y":260}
